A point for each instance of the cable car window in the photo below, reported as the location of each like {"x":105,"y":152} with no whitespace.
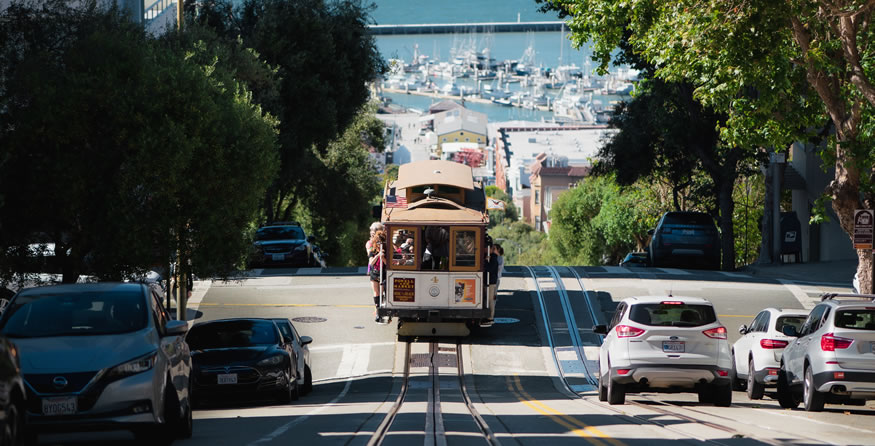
{"x":403,"y":247}
{"x":465,"y":252}
{"x":436,"y":251}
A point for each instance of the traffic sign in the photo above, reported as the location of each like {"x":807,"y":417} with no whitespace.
{"x":863,"y":224}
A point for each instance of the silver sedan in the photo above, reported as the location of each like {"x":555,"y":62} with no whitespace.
{"x":102,"y":356}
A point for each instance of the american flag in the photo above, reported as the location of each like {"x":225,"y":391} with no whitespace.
{"x":394,"y":201}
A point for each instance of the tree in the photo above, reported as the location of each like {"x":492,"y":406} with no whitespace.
{"x":522,"y":244}
{"x":324,"y":56}
{"x":509,"y":214}
{"x":114,"y":144}
{"x":597,"y":222}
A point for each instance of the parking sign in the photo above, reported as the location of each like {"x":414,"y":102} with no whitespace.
{"x":863,"y":223}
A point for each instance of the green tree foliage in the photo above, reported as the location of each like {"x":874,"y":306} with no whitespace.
{"x":597,"y":222}
{"x":522,"y":244}
{"x":779,"y":70}
{"x":510,"y":213}
{"x":324,"y":56}
{"x":113,"y":143}
{"x":749,"y":197}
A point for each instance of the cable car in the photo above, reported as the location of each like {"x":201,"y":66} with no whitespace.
{"x":435,"y":220}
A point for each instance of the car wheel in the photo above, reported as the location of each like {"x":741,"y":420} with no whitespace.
{"x":292,"y":391}
{"x":813,"y":399}
{"x":603,"y":391}
{"x":755,"y":390}
{"x":616,"y":391}
{"x":722,"y":395}
{"x":308,"y":380}
{"x":184,"y":427}
{"x":736,"y":383}
{"x":12,"y":431}
{"x":785,"y":394}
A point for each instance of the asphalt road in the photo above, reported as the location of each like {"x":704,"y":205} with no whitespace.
{"x":510,"y":370}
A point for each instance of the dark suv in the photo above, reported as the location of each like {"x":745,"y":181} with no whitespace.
{"x":685,"y":239}
{"x":283,"y":243}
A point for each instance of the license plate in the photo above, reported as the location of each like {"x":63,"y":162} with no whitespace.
{"x":278,"y":257}
{"x":60,"y":406}
{"x":229,"y":378}
{"x":673,"y":346}
{"x":688,"y":232}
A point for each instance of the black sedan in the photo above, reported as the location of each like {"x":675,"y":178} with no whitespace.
{"x":301,"y":352}
{"x":241,"y":357}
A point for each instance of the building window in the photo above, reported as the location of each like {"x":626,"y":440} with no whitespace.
{"x":461,"y":133}
{"x":445,"y":139}
{"x":457,"y":139}
{"x":478,"y":139}
{"x":466,"y":140}
{"x":537,"y":197}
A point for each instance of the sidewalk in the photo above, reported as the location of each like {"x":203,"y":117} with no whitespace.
{"x":837,"y":272}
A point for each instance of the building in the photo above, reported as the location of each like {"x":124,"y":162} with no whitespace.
{"x":515,"y":150}
{"x":460,"y":125}
{"x":551,"y":176}
{"x":155,"y":15}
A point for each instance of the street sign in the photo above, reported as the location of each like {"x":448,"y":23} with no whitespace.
{"x":863,"y":224}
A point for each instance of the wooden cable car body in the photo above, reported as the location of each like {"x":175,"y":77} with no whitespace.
{"x":435,"y":220}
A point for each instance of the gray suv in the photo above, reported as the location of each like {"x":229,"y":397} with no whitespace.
{"x":685,"y":239}
{"x":832,"y":358}
{"x":101,"y":356}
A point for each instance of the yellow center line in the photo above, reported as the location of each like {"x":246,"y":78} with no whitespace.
{"x":576,"y":426}
{"x":214,"y":304}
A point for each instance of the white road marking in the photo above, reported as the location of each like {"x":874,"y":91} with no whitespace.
{"x":800,"y":295}
{"x":332,"y":347}
{"x":284,"y":428}
{"x":354,"y":361}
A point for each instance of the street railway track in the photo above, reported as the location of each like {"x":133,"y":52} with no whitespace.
{"x":441,"y":355}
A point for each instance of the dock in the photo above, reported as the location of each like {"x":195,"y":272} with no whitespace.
{"x":437,"y":95}
{"x":482,"y":27}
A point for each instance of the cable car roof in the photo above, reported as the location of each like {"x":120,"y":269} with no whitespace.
{"x":431,"y":172}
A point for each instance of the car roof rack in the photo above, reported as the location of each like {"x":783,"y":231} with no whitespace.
{"x":831,"y":296}
{"x":282,"y":223}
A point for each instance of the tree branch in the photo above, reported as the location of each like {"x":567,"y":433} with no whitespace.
{"x":852,"y":57}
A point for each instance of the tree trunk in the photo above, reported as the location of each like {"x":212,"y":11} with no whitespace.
{"x":727,"y":224}
{"x":845,"y":191}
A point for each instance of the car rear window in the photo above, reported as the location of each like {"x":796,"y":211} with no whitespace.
{"x":672,"y":315}
{"x":856,"y":319}
{"x":279,"y":233}
{"x":86,"y":313}
{"x":231,"y":334}
{"x":795,"y":321}
{"x":688,"y":219}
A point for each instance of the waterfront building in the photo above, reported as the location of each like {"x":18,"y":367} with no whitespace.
{"x":460,"y":125}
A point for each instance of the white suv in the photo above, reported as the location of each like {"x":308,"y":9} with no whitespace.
{"x":757,"y":354}
{"x":664,"y":344}
{"x":832,"y":358}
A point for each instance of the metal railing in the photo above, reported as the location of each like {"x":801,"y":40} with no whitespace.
{"x":156,"y":8}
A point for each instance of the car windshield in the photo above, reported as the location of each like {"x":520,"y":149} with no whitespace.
{"x":279,"y":233}
{"x":285,"y":329}
{"x":672,"y":315}
{"x":231,"y":334}
{"x":856,"y":319}
{"x":86,"y":313}
{"x":688,"y":219}
{"x":784,"y":321}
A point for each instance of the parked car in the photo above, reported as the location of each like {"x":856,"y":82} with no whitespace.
{"x":301,"y":353}
{"x":636,"y":259}
{"x":12,"y":395}
{"x":832,"y":356}
{"x":283,"y":243}
{"x":756,"y":356}
{"x":664,"y":344}
{"x":241,"y":357}
{"x":685,"y":239}
{"x":101,"y":356}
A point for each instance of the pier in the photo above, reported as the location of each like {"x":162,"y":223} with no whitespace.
{"x":483,"y":27}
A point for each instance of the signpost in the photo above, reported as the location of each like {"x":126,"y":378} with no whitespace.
{"x":863,"y":225}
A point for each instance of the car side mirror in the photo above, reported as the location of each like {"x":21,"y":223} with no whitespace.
{"x":650,"y":232}
{"x":377,"y":211}
{"x":742,"y":329}
{"x":600,"y":329}
{"x":306,"y":340}
{"x":790,"y":330}
{"x":176,"y":328}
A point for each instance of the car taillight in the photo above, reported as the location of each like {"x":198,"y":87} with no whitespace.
{"x":773,"y":343}
{"x":830,"y":342}
{"x":716,"y":333}
{"x":671,"y":302}
{"x":625,"y":331}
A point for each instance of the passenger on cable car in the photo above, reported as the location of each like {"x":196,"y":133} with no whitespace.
{"x":491,"y":278}
{"x":377,"y":265}
{"x":437,"y":248}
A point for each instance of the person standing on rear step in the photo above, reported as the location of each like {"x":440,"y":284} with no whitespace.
{"x":377,"y":267}
{"x":492,"y":281}
{"x":500,"y":251}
